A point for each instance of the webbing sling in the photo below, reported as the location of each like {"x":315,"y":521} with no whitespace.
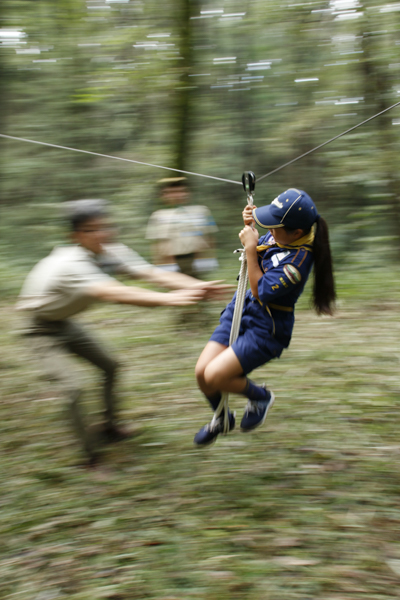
{"x":249,"y":182}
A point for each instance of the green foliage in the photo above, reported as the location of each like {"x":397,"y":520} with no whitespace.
{"x":218,"y":93}
{"x":308,"y":506}
{"x":305,"y":507}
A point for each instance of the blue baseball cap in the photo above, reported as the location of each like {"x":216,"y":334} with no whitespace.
{"x":293,"y":209}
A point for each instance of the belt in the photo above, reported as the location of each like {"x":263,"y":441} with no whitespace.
{"x":278,"y":307}
{"x":274,"y":306}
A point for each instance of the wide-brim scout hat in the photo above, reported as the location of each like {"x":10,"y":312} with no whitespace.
{"x":167,"y":182}
{"x":293,"y":208}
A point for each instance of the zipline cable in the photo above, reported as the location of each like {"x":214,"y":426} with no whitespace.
{"x":11,"y":137}
{"x":325,"y":143}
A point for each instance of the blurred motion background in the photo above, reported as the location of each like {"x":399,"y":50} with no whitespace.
{"x":211,"y":88}
{"x":308,"y":507}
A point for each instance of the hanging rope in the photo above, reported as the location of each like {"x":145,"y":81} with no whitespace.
{"x":11,"y":137}
{"x":328,"y":142}
{"x":248,"y":181}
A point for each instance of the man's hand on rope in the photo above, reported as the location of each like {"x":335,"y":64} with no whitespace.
{"x":183,"y":297}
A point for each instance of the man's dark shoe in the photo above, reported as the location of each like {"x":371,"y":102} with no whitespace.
{"x":112,"y":434}
{"x":90,"y":462}
{"x":256,"y":412}
{"x":208,"y":434}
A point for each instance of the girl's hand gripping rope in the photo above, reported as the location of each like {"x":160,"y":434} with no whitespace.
{"x":247,"y":215}
{"x":249,"y":238}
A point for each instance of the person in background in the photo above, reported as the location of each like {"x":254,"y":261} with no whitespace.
{"x":182,"y":234}
{"x":72,"y":278}
{"x":279,"y":263}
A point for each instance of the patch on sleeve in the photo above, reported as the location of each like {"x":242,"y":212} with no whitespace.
{"x":292,"y":274}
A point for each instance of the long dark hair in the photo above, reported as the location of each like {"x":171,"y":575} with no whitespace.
{"x":324,"y":294}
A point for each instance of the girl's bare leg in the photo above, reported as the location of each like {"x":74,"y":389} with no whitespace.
{"x":224,"y":373}
{"x":211,"y":351}
{"x":219,"y":370}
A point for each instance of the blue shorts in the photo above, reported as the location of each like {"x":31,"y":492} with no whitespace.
{"x":256,"y":343}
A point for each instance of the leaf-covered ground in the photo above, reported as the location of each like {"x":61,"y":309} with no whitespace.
{"x":306,"y":507}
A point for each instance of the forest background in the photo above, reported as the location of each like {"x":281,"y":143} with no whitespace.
{"x":307,"y":506}
{"x":211,"y":89}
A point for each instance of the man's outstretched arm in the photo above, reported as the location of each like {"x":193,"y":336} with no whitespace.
{"x":168,"y":279}
{"x":177,"y":281}
{"x":123,"y":294}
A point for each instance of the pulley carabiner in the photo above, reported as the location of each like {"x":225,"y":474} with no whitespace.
{"x":249,"y":182}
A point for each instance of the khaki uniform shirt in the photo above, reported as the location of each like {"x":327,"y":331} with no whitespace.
{"x":181,"y":230}
{"x":57,"y":287}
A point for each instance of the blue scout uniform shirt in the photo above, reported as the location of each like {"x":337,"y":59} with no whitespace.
{"x":286,"y":270}
{"x":267,"y":323}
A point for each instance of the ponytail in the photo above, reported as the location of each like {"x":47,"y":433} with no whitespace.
{"x":324,"y":294}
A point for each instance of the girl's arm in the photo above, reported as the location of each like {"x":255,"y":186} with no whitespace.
{"x":249,"y":239}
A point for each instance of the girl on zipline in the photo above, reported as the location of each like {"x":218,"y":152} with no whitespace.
{"x":278,"y":265}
